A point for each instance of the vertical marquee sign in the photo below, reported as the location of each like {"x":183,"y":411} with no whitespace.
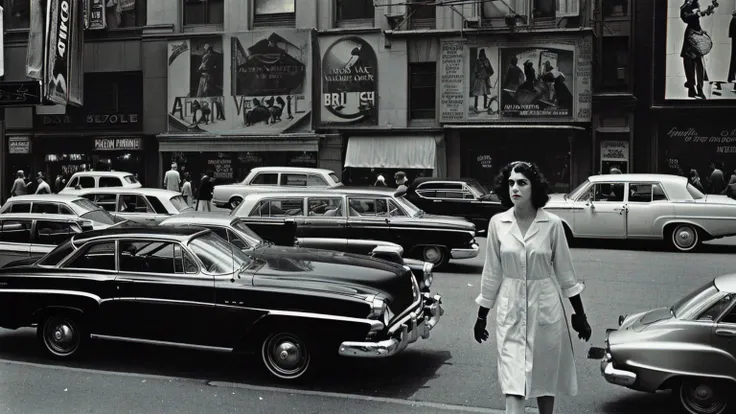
{"x":350,"y":83}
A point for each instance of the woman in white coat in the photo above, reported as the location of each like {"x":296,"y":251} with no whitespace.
{"x":527,"y":269}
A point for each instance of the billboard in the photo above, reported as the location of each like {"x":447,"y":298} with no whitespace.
{"x":249,"y":83}
{"x":505,"y":82}
{"x":349,"y":81}
{"x":700,"y":61}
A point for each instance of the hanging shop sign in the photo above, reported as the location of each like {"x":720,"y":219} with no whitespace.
{"x":19,"y":145}
{"x":119,"y":144}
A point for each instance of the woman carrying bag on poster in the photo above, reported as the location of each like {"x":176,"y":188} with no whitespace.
{"x":696,"y":44}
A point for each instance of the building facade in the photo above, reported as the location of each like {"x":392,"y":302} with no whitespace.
{"x":687,"y":81}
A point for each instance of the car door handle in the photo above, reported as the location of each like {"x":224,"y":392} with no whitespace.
{"x":621,"y":210}
{"x":726,"y":332}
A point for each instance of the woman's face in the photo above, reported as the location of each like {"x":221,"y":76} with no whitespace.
{"x":520,"y":189}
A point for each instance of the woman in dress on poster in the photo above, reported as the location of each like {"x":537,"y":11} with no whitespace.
{"x":526,"y":247}
{"x":482,"y":79}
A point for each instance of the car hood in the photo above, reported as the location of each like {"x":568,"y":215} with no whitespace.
{"x":638,"y":321}
{"x":452,"y":222}
{"x":316,"y":269}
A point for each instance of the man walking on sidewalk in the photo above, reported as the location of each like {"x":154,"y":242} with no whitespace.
{"x":172,"y":179}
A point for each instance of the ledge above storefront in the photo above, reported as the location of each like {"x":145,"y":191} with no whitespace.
{"x":239,"y":143}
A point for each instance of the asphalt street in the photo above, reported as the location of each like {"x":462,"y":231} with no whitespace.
{"x":449,"y":372}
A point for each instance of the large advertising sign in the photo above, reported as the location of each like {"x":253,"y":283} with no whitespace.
{"x":700,"y":60}
{"x":250,"y":83}
{"x":349,"y":81}
{"x":498,"y":82}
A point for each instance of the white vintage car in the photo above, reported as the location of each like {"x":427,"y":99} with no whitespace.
{"x":263,"y":179}
{"x":644,"y":206}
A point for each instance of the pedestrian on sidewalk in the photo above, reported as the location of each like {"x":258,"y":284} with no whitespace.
{"x":172,"y":179}
{"x":43,"y":186}
{"x":526,"y":245}
{"x":20,"y":187}
{"x":204,"y":194}
{"x":186,"y":190}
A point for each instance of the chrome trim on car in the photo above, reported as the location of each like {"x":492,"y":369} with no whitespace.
{"x":165,"y":343}
{"x":616,"y":376}
{"x":465,"y":253}
{"x":375,"y":325}
{"x":415,"y":325}
{"x":54,"y":292}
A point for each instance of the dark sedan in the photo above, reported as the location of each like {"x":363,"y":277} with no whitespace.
{"x":461,"y":197}
{"x":357,"y":220}
{"x":188,"y":287}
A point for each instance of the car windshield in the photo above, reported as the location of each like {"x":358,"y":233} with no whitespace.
{"x":96,"y":213}
{"x":218,"y":255}
{"x":252,"y":238}
{"x":334,"y":177}
{"x":691,"y":304}
{"x":409,"y":207}
{"x":572,"y":195}
{"x":130,"y":179}
{"x":694,"y":192}
{"x":180,"y":204}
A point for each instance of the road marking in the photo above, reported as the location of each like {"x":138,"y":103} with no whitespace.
{"x":357,"y":397}
{"x":412,"y":403}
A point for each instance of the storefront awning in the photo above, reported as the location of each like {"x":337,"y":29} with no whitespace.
{"x":515,"y":126}
{"x":391,"y":152}
{"x":218,"y":143}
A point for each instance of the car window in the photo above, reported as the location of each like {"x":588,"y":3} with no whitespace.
{"x":316,"y":181}
{"x":130,"y":179}
{"x":279,"y":208}
{"x":266,"y":179}
{"x":110,"y":182}
{"x":179,"y":203}
{"x":716,"y":309}
{"x":605,"y":192}
{"x":640,"y":193}
{"x":45,"y":208}
{"x":335,"y":178}
{"x":57,"y":255}
{"x":131,"y":203}
{"x":294,"y":180}
{"x":20,"y":208}
{"x":440,"y":186}
{"x":16,"y":231}
{"x":658,"y":193}
{"x":154,"y":257}
{"x":394,"y":210}
{"x":64,"y":209}
{"x":157,"y":205}
{"x":106,"y":201}
{"x":368,"y":207}
{"x":95,"y":256}
{"x":325,"y":207}
{"x":237,"y":241}
{"x":456,"y":194}
{"x":55,"y":232}
{"x":427,"y":193}
{"x":694,"y":192}
{"x":730,"y":317}
{"x":87,"y":182}
{"x":217,"y":255}
{"x":73,"y":182}
{"x":220,"y":231}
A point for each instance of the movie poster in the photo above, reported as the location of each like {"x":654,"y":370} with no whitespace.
{"x":349,"y":82}
{"x":484,"y":83}
{"x":256,"y":83}
{"x":700,"y":61}
{"x":537,"y":82}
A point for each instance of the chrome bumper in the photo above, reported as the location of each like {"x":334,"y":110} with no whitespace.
{"x":417,"y":324}
{"x":465,"y":253}
{"x":616,"y":376}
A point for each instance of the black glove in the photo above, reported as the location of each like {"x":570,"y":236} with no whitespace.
{"x":479,"y":330}
{"x":580,"y":325}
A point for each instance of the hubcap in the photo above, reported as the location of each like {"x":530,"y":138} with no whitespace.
{"x":60,"y":337}
{"x":286,"y":356}
{"x":702,"y":398}
{"x":685,"y":237}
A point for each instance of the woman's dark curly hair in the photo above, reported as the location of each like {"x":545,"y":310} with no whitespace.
{"x":540,"y":186}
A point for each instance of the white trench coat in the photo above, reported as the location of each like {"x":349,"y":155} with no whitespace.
{"x":534,"y":344}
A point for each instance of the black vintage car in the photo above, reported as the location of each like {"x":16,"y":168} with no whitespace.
{"x":461,"y":197}
{"x":188,"y":287}
{"x":356,"y":220}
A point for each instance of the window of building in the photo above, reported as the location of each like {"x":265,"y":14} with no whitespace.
{"x":274,"y":13}
{"x":615,"y":8}
{"x":124,"y":14}
{"x":17,"y":14}
{"x":113,"y":92}
{"x":499,"y":9}
{"x":422,"y":84}
{"x":354,"y":10}
{"x":423,"y":16}
{"x":549,"y":10}
{"x":615,"y":63}
{"x":199,"y":12}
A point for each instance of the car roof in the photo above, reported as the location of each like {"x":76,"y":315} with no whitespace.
{"x":119,"y":174}
{"x":292,"y":169}
{"x":45,"y":197}
{"x":115,"y":190}
{"x":40,"y":216}
{"x":664,"y":178}
{"x":140,"y":232}
{"x":726,"y":283}
{"x":420,"y":180}
{"x":374,"y":191}
{"x":216,"y":218}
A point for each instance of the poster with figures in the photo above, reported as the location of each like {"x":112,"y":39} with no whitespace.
{"x":701,"y":50}
{"x":537,"y":82}
{"x":249,"y":83}
{"x":483,"y":83}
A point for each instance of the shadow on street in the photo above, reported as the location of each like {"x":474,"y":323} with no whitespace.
{"x":649,"y":245}
{"x":397,"y":377}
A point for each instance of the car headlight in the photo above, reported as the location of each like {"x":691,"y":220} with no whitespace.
{"x":428,"y":277}
{"x":380,"y":311}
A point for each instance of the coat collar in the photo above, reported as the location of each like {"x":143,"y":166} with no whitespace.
{"x":509,"y":217}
